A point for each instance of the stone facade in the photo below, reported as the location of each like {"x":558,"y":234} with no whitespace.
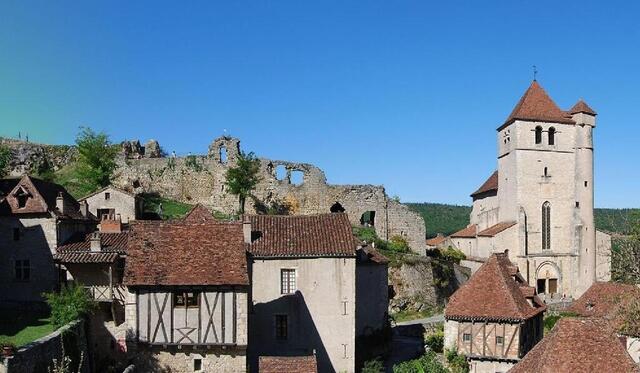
{"x":113,"y":201}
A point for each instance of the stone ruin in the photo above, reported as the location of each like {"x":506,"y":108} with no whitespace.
{"x":284,"y":187}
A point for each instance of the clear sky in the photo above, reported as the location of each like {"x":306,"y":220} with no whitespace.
{"x":406,"y":94}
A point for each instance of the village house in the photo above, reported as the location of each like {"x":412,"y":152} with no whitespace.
{"x":111,"y":202}
{"x":495,"y":318}
{"x":35,"y":217}
{"x":539,"y":202}
{"x":578,"y":345}
{"x":613,"y":303}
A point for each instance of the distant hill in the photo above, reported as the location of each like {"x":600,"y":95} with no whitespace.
{"x":447,"y":219}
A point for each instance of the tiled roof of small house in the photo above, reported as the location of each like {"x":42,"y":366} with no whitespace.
{"x":302,"y":235}
{"x":435,"y":241}
{"x":578,"y":345}
{"x":496,"y":229}
{"x":494,"y":292}
{"x":81,"y":257}
{"x":199,"y":213}
{"x":582,"y":107}
{"x":44,"y":196}
{"x":606,"y":300}
{"x":373,"y":255}
{"x":186,"y":253}
{"x":536,"y":105}
{"x":491,"y":184}
{"x":288,"y":364}
{"x":79,"y":242}
{"x":468,"y":232}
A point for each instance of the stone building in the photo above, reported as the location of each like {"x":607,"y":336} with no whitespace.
{"x":188,"y":286}
{"x":495,"y":318}
{"x":35,"y":217}
{"x":303,"y":289}
{"x":578,"y":345}
{"x":539,"y":203}
{"x":613,"y":303}
{"x":111,"y":202}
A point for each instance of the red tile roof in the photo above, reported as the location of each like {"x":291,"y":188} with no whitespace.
{"x":185,"y":253}
{"x":302,"y":235}
{"x":606,"y":300}
{"x":536,"y":105}
{"x":116,"y":242}
{"x":582,"y":107}
{"x":468,"y":232}
{"x":578,"y":345}
{"x":435,"y":241}
{"x":492,"y":293}
{"x":199,"y":213}
{"x":490,"y":185}
{"x":497,"y":228}
{"x":374,"y":255}
{"x":288,"y":364}
{"x":82,"y":257}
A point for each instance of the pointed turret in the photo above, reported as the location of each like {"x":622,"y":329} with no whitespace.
{"x":536,"y":105}
{"x":582,"y":107}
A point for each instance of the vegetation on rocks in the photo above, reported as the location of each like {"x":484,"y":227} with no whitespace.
{"x":5,"y":159}
{"x":435,"y":339}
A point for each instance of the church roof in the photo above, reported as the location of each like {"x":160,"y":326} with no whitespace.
{"x":491,"y":184}
{"x":468,"y":232}
{"x":536,"y":105}
{"x":582,"y":107}
{"x":496,"y":229}
{"x":495,"y":292}
{"x":578,"y":345}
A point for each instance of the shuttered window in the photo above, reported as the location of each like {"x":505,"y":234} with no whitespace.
{"x":287,"y":281}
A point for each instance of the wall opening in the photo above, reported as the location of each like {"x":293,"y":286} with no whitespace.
{"x":223,"y":154}
{"x":538,"y":135}
{"x":546,"y":226}
{"x":297,"y":177}
{"x":546,"y":172}
{"x":337,"y":207}
{"x":552,"y":136}
{"x":281,"y":172}
{"x":368,"y":219}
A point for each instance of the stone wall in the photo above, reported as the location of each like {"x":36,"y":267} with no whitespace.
{"x":37,"y":356}
{"x":171,"y":359}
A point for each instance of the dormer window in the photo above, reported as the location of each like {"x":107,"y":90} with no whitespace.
{"x":22,"y":196}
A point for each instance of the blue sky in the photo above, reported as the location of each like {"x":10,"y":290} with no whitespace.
{"x":407,"y":94}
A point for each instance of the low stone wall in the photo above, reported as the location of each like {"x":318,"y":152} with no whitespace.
{"x":38,"y":356}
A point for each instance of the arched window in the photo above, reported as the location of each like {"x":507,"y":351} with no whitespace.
{"x":546,"y":172}
{"x":538,"y":135}
{"x":546,"y":226}
{"x":552,"y":136}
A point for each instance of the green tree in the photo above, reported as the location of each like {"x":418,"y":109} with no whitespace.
{"x":625,"y":254}
{"x":96,"y":160}
{"x":5,"y":158}
{"x":243,"y":178}
{"x":71,"y":303}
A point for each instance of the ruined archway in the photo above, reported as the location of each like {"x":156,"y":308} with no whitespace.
{"x":368,"y":219}
{"x":337,"y":207}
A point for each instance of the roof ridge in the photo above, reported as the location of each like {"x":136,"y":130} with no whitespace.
{"x":536,"y":105}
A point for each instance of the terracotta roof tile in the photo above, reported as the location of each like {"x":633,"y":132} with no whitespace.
{"x":288,"y":364}
{"x":492,"y":293}
{"x":185,"y":253}
{"x":199,"y":213}
{"x":606,"y":300}
{"x":116,"y":242}
{"x":536,"y":105}
{"x":582,"y":107}
{"x":578,"y":345}
{"x":81,"y":257}
{"x":497,"y":228}
{"x":374,"y":255}
{"x":490,"y":185}
{"x":468,"y":232}
{"x":435,"y":241}
{"x":302,"y":235}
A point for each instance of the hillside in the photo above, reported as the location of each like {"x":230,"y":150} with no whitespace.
{"x":447,"y":219}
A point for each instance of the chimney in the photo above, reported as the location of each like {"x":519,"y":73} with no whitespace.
{"x":60,"y":203}
{"x":111,"y":224}
{"x":84,"y":208}
{"x":95,"y":242}
{"x":246,"y":230}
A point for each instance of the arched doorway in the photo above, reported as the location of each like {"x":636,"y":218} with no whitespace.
{"x":548,"y":280}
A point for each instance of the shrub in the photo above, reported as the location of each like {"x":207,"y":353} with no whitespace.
{"x":71,"y":303}
{"x":399,"y":244}
{"x":373,"y":366}
{"x":435,"y":340}
{"x":192,"y":162}
{"x":457,"y":363}
{"x":454,"y":255}
{"x":426,"y":363}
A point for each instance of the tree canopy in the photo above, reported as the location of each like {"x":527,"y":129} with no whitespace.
{"x":96,"y":160}
{"x":242,"y":179}
{"x":5,"y":158}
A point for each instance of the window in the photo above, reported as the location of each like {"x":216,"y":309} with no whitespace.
{"x":22,"y":200}
{"x":23,"y":270}
{"x":466,"y":337}
{"x":538,"y":135}
{"x":197,"y":365}
{"x":107,"y":195}
{"x":546,"y":172}
{"x":282,"y":331}
{"x":542,"y":286}
{"x":585,"y":184}
{"x":287,"y":281}
{"x":16,"y":234}
{"x":499,"y":339}
{"x":577,"y":204}
{"x":552,"y":136}
{"x":546,"y":226}
{"x":553,"y":285}
{"x":188,"y":299}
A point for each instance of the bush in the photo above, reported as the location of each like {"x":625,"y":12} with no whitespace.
{"x":454,"y":255}
{"x":426,"y":363}
{"x":72,"y":303}
{"x":399,"y":244}
{"x":373,"y":366}
{"x":435,"y":340}
{"x":457,"y":363}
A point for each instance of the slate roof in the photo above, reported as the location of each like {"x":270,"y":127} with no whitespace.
{"x":322,"y":235}
{"x":288,"y":364}
{"x":582,"y":107}
{"x":606,"y":300}
{"x":495,"y":292}
{"x":496,"y":229}
{"x":490,"y":185}
{"x":578,"y":345}
{"x":536,"y":105}
{"x":199,"y":213}
{"x":186,"y":253}
{"x":468,"y":232}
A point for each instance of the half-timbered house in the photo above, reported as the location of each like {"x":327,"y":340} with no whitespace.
{"x":189,"y":289}
{"x":495,"y":318}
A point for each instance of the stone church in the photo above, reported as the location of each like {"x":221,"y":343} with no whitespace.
{"x":539,"y":203}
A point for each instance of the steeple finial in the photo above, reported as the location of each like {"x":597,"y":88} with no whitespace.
{"x":535,"y":73}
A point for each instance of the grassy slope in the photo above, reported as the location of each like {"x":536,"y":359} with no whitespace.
{"x":21,"y":328}
{"x":170,"y":209}
{"x":442,"y":218}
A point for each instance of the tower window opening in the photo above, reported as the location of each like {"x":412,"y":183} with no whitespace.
{"x":223,"y":154}
{"x":546,"y":226}
{"x":586,"y":183}
{"x":546,"y":172}
{"x":538,"y":135}
{"x":552,"y":136}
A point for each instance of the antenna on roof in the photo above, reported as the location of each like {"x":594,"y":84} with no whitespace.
{"x":535,"y":73}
